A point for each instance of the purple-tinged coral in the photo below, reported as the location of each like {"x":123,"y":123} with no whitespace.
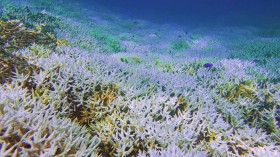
{"x":208,"y":65}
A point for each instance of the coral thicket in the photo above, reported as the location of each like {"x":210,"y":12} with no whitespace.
{"x":59,"y":99}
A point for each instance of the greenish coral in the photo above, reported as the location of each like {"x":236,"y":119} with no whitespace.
{"x":180,"y":45}
{"x":30,"y":18}
{"x":195,"y":36}
{"x":40,"y":50}
{"x":167,"y":67}
{"x":70,"y":9}
{"x":79,"y":102}
{"x":115,"y":45}
{"x":131,"y":59}
{"x":261,"y":112}
{"x":257,"y":49}
{"x":11,"y":64}
{"x":14,"y":36}
{"x":85,"y":45}
{"x":128,"y":37}
{"x":244,"y":89}
{"x":110,"y":42}
{"x":193,"y":67}
{"x":268,"y":33}
{"x":60,"y":42}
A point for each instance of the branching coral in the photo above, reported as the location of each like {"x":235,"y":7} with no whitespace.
{"x":180,"y":45}
{"x":110,"y":42}
{"x":30,"y":18}
{"x":62,"y":42}
{"x":14,"y":36}
{"x":261,"y":110}
{"x":97,"y":103}
{"x":126,"y":121}
{"x":37,"y":131}
{"x":11,"y":64}
{"x":66,"y":102}
{"x":131,"y":59}
{"x":194,"y":67}
{"x":167,"y":67}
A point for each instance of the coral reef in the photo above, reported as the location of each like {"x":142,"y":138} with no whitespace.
{"x":29,"y":128}
{"x":30,"y":18}
{"x":111,"y":43}
{"x":14,"y":36}
{"x":59,"y":100}
{"x":180,"y":45}
{"x":262,"y":108}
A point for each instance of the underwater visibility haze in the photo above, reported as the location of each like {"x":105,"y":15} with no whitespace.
{"x":202,"y":12}
{"x":125,"y":78}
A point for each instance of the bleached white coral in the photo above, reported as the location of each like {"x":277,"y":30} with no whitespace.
{"x":236,"y":67}
{"x":153,"y":112}
{"x":266,"y":151}
{"x":32,"y":129}
{"x":171,"y":151}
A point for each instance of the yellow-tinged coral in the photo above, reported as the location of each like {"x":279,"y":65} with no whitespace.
{"x":27,"y":135}
{"x":105,"y":93}
{"x":167,"y":67}
{"x":259,"y":101}
{"x":97,"y":103}
{"x":60,"y":42}
{"x":241,"y":90}
{"x":233,"y":91}
{"x":39,"y":50}
{"x":14,"y":36}
{"x":11,"y":64}
{"x":146,"y":118}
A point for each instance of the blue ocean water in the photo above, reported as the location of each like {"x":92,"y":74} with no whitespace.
{"x":264,"y":13}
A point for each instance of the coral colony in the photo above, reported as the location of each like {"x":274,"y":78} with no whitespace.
{"x":70,"y":87}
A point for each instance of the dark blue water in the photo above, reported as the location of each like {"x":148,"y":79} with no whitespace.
{"x":262,"y":13}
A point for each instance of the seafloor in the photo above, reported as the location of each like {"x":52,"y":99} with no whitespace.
{"x":78,"y":82}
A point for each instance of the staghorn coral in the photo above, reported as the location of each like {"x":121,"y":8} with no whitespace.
{"x":258,"y":48}
{"x":98,"y":102}
{"x":180,"y":45}
{"x":93,"y":92}
{"x":36,"y":131}
{"x":62,"y":42}
{"x":39,"y":50}
{"x":11,"y":64}
{"x":110,"y":43}
{"x":95,"y":104}
{"x":14,"y":36}
{"x":244,"y":89}
{"x":167,"y":67}
{"x":125,"y":120}
{"x":30,"y":18}
{"x":264,"y":113}
{"x":131,"y":59}
{"x":194,"y":67}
